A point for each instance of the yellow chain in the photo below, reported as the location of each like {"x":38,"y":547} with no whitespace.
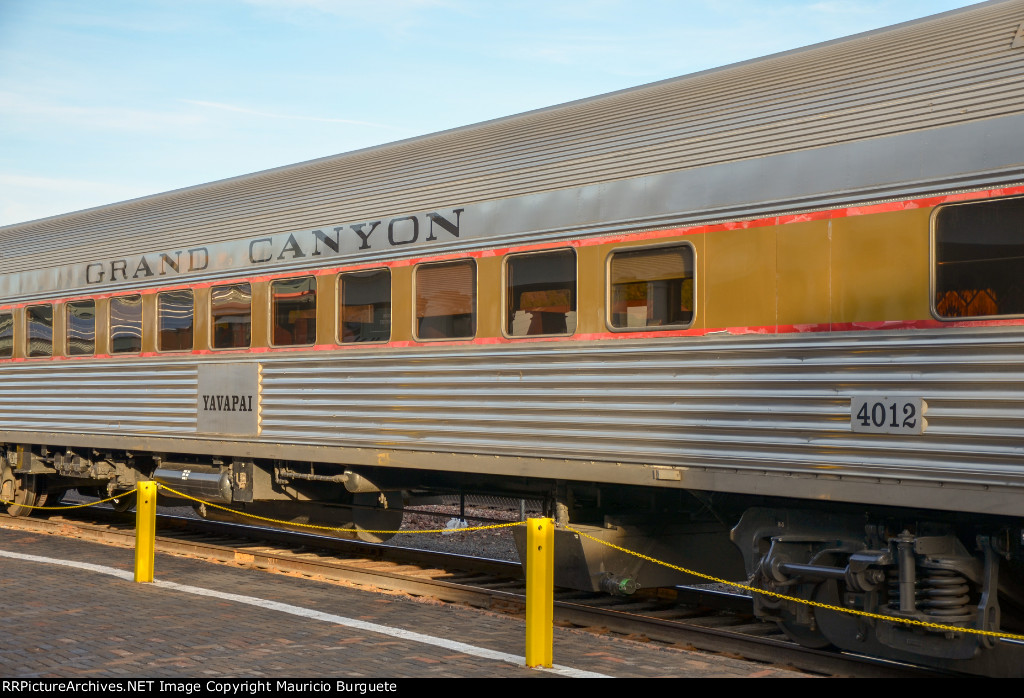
{"x":753,"y":590}
{"x":75,"y":506}
{"x":818,"y":604}
{"x":338,"y":528}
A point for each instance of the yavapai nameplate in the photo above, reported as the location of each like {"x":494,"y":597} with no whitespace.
{"x":228,"y":399}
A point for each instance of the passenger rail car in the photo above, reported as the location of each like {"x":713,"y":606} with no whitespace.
{"x":765,"y":321}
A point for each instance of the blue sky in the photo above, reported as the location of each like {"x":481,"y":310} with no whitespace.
{"x":106,"y":100}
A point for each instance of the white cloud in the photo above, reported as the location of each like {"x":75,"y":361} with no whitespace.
{"x":272,"y":115}
{"x":26,"y":197}
{"x":360,"y":8}
{"x":397,"y":16}
{"x":573,"y":49}
{"x":17,"y":105}
{"x":840,"y":7}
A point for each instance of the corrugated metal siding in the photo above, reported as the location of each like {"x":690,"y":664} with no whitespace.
{"x":928,"y":74}
{"x":777,"y":404}
{"x":98,"y":397}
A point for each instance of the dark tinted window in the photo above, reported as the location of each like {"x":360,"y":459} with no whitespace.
{"x":293,"y":311}
{"x":231,"y":308}
{"x":540,"y":293}
{"x":40,"y":330}
{"x":126,"y":325}
{"x":365,"y":300}
{"x":446,"y":300}
{"x":6,"y":335}
{"x":81,"y":328}
{"x":979,"y":259}
{"x":652,"y":287}
{"x":175,"y":312}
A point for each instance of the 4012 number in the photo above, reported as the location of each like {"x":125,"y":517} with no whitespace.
{"x":888,"y":415}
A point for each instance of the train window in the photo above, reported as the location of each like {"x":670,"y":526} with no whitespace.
{"x":126,"y":324}
{"x":231,"y":310}
{"x":979,"y":259}
{"x":364,"y":306}
{"x":80,"y":325}
{"x":175,"y":313}
{"x":293,"y":311}
{"x":446,"y":300}
{"x":540,"y":293}
{"x":6,"y":335}
{"x":40,"y":330}
{"x":651,"y":288}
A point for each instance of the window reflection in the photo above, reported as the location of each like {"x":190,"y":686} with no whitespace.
{"x":231,"y":309}
{"x":293,"y":311}
{"x":126,"y":324}
{"x":365,"y":298}
{"x":40,"y":330}
{"x":81,"y":328}
{"x":175,"y":311}
{"x":6,"y":335}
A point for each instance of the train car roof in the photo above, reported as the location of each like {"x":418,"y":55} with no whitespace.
{"x":937,"y":72}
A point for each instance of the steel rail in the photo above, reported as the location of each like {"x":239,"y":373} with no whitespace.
{"x":491,"y":585}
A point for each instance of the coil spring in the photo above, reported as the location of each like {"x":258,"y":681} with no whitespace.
{"x":937,"y":592}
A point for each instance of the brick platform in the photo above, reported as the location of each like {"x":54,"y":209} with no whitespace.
{"x":73,"y":623}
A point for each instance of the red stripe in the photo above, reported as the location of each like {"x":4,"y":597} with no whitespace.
{"x":870,"y":326}
{"x":828,"y":214}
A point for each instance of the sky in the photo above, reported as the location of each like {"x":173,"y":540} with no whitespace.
{"x":108,"y":100}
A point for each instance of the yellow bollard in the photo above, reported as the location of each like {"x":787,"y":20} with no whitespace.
{"x":145,"y":531}
{"x":540,"y":591}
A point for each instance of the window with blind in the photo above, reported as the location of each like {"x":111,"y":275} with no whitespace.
{"x":446,"y":300}
{"x":540,"y":294}
{"x":6,"y":335}
{"x":293,"y":311}
{"x":40,"y":330}
{"x":231,"y":316}
{"x":126,"y":325}
{"x":175,"y":312}
{"x":80,"y":328}
{"x":364,"y":314}
{"x":651,"y":288}
{"x":979,"y":259}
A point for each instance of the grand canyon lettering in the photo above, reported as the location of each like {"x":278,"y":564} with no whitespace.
{"x":321,"y":242}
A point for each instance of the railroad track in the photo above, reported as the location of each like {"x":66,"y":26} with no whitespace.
{"x":690,"y":618}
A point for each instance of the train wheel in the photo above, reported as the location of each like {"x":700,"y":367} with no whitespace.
{"x":805,"y":636}
{"x":123,"y":502}
{"x":805,"y":632}
{"x":23,"y":491}
{"x":376,"y":511}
